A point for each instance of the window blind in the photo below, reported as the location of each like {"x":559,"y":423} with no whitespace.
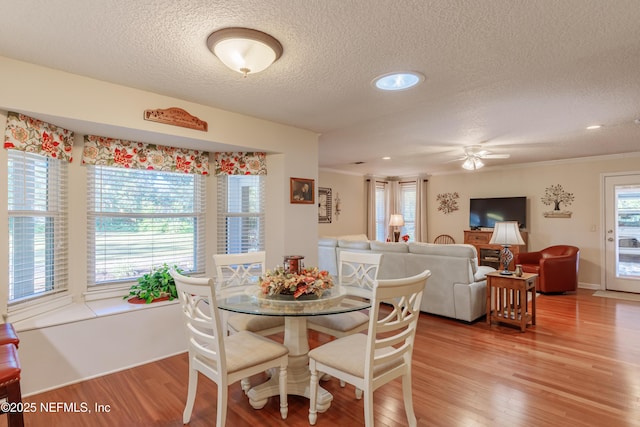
{"x":408,"y":208}
{"x":141,"y":219}
{"x":240,"y":213}
{"x":38,"y":245}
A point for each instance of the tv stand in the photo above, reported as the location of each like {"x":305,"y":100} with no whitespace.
{"x":490,"y":254}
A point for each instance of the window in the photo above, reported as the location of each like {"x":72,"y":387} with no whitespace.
{"x":240,"y":213}
{"x":381,"y":221}
{"x":38,"y":247}
{"x":140,"y":219}
{"x":408,"y":208}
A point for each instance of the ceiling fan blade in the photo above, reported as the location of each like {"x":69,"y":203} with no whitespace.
{"x":458,"y":159}
{"x":495,"y":156}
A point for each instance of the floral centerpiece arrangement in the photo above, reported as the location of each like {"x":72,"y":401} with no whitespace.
{"x":309,"y":282}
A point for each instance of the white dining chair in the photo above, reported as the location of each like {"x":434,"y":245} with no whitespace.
{"x":383,"y":354}
{"x":357,"y":273}
{"x":234,"y":273}
{"x":225,"y":359}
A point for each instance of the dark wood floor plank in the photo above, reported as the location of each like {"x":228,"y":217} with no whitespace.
{"x":579,"y":366}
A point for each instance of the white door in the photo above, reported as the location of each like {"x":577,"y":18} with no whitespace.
{"x":622,"y":232}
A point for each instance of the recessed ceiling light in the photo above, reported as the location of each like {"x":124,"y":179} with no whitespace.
{"x":398,"y":81}
{"x":592,"y":127}
{"x":386,"y":158}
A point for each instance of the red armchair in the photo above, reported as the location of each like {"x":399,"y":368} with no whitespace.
{"x":556,"y":267}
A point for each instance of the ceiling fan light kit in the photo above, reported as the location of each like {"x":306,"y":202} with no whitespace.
{"x":472,"y":163}
{"x":474,"y":154}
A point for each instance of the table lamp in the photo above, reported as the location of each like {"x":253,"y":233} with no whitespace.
{"x":506,"y":233}
{"x":396,"y":221}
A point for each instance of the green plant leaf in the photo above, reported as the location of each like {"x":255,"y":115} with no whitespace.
{"x":155,"y":283}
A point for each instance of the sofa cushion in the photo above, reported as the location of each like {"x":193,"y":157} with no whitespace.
{"x":481,"y":273}
{"x":457,"y":250}
{"x":389,"y":246}
{"x":354,"y":237}
{"x":353,"y":244}
{"x":328,"y":241}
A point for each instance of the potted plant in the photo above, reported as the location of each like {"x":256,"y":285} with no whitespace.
{"x":155,"y":285}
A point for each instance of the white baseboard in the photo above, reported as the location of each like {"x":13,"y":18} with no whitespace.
{"x":594,"y":286}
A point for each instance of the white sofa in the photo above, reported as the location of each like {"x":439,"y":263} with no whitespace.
{"x":456,"y":288}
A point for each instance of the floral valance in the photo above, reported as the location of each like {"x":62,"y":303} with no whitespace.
{"x":104,"y":151}
{"x":25,"y":133}
{"x":241,"y":163}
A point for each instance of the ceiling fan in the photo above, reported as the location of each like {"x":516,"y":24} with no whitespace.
{"x":474,"y":154}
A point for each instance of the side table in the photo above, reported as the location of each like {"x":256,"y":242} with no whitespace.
{"x":507,"y":299}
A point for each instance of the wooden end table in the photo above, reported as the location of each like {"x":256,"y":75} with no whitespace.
{"x":507,"y":299}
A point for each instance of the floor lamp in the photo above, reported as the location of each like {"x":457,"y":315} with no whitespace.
{"x":506,"y":233}
{"x":396,"y":221}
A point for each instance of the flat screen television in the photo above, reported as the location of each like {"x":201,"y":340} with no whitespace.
{"x":484,"y":213}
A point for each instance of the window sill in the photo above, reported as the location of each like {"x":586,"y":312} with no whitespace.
{"x":77,"y":312}
{"x":108,"y":307}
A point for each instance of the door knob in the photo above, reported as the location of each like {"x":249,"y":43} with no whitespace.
{"x":610,"y":239}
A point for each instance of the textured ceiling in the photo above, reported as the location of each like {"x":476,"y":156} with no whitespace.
{"x":520,"y":77}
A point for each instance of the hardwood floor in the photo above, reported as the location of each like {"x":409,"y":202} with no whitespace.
{"x":579,"y":366}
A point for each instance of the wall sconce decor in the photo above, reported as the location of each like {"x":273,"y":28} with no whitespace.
{"x":448,"y":202}
{"x":555,"y":195}
{"x":338,"y":204}
{"x":324,"y":205}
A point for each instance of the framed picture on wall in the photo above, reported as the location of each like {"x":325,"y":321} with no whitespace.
{"x":302,"y":190}
{"x":325,"y":203}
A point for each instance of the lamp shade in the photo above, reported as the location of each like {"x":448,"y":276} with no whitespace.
{"x":506,"y":233}
{"x":244,"y":50}
{"x":396,"y":220}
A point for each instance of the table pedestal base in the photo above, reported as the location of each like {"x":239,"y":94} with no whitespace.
{"x":298,"y":375}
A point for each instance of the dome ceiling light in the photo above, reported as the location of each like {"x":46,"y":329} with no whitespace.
{"x":244,"y":50}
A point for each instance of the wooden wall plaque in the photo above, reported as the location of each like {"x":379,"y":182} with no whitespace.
{"x":177,"y":117}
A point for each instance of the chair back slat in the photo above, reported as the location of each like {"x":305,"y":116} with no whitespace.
{"x":444,"y":239}
{"x":358,"y":272}
{"x":234,"y":271}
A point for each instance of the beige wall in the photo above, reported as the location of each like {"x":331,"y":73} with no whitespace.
{"x":581,"y":177}
{"x":351,"y":190}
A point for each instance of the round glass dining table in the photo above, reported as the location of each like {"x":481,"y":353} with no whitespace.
{"x":295,"y":313}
